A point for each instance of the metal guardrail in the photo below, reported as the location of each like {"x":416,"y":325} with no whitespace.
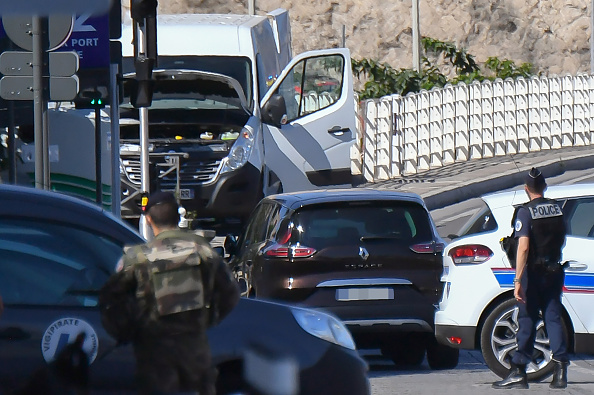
{"x":406,"y":135}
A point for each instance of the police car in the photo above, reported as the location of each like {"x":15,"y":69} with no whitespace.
{"x":478,"y":310}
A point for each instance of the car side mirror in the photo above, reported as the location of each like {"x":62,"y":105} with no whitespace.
{"x":230,"y":244}
{"x":274,"y":111}
{"x":452,"y":236}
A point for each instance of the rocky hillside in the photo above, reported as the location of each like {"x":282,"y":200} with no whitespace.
{"x":551,"y":34}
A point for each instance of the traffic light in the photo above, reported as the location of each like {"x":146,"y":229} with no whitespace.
{"x":90,"y":100}
{"x":141,"y":9}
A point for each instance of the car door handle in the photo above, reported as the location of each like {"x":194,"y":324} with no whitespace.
{"x":12,"y":333}
{"x":338,"y":131}
{"x":576,"y":266}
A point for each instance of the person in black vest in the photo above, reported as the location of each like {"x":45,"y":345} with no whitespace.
{"x":540,"y":229}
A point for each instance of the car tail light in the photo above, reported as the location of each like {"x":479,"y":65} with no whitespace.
{"x":428,"y":248}
{"x":299,"y":251}
{"x":277,"y":251}
{"x":296,"y":251}
{"x":472,"y":253}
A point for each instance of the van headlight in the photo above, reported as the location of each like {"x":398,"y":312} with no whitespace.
{"x":324,"y":326}
{"x":240,"y":151}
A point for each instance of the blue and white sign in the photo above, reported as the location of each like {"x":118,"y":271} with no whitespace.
{"x":90,"y":39}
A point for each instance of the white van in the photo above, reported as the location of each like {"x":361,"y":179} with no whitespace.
{"x":252,"y":120}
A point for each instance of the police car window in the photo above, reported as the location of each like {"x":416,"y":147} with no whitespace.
{"x":482,"y":221}
{"x":580,"y":217}
{"x":51,"y":264}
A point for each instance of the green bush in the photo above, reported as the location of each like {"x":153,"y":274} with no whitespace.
{"x":382,"y":79}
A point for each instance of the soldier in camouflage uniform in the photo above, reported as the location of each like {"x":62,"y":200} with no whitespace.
{"x":183,"y":287}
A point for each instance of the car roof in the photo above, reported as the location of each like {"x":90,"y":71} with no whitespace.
{"x":28,"y":202}
{"x":295,"y":200}
{"x":507,"y":198}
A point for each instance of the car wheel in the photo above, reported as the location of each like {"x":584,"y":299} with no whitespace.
{"x":440,"y":356}
{"x":406,"y":352}
{"x":498,"y":341}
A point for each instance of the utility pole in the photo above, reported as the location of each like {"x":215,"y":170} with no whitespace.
{"x":252,"y":7}
{"x":416,"y":36}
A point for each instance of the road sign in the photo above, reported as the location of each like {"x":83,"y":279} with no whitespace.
{"x":18,"y":29}
{"x":21,"y":88}
{"x":90,"y":39}
{"x":61,"y":64}
{"x":48,"y":7}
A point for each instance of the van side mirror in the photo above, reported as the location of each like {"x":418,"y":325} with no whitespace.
{"x":230,"y":245}
{"x":274,"y":111}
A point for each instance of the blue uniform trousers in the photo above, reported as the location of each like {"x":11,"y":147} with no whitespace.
{"x":543,"y":293}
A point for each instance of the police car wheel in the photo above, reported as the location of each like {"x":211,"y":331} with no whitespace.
{"x":498,"y":342}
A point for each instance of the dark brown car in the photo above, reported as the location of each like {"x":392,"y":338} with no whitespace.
{"x":371,"y":257}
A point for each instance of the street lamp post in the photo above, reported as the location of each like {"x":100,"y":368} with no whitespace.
{"x":416,"y":36}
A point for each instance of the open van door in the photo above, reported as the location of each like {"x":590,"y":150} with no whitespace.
{"x":309,"y":122}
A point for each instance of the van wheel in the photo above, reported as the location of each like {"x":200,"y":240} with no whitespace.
{"x":440,"y":356}
{"x":405,"y":352}
{"x":498,"y":342}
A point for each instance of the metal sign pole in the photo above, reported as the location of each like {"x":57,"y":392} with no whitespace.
{"x":39,"y":102}
{"x":11,"y":144}
{"x":98,"y":175}
{"x":114,"y":114}
{"x":144,"y":227}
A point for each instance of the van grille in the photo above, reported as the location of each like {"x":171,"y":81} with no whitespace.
{"x":192,"y":172}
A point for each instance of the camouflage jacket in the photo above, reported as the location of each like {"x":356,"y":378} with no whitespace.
{"x":181,"y":280}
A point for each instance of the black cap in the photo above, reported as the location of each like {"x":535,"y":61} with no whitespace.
{"x":158,"y":198}
{"x":534,"y":179}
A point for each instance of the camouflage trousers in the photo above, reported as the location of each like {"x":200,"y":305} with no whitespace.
{"x":174,"y":364}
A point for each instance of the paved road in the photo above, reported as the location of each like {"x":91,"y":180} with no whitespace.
{"x":471,"y":377}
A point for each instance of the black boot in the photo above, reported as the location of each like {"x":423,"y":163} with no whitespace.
{"x":559,"y":375}
{"x":515,"y":379}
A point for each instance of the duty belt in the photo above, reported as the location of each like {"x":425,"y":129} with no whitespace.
{"x":547,"y":264}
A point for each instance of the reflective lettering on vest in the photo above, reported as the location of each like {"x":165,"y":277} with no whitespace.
{"x":546,"y":210}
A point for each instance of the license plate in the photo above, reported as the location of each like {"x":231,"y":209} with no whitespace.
{"x":184,"y":194}
{"x":347,"y":294}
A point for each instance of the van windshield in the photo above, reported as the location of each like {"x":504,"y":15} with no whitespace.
{"x":237,"y":67}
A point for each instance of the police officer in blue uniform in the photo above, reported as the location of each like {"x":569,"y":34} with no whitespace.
{"x":540,"y":230}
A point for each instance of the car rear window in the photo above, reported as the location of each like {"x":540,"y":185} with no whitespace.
{"x":482,"y":221}
{"x":346,"y":223}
